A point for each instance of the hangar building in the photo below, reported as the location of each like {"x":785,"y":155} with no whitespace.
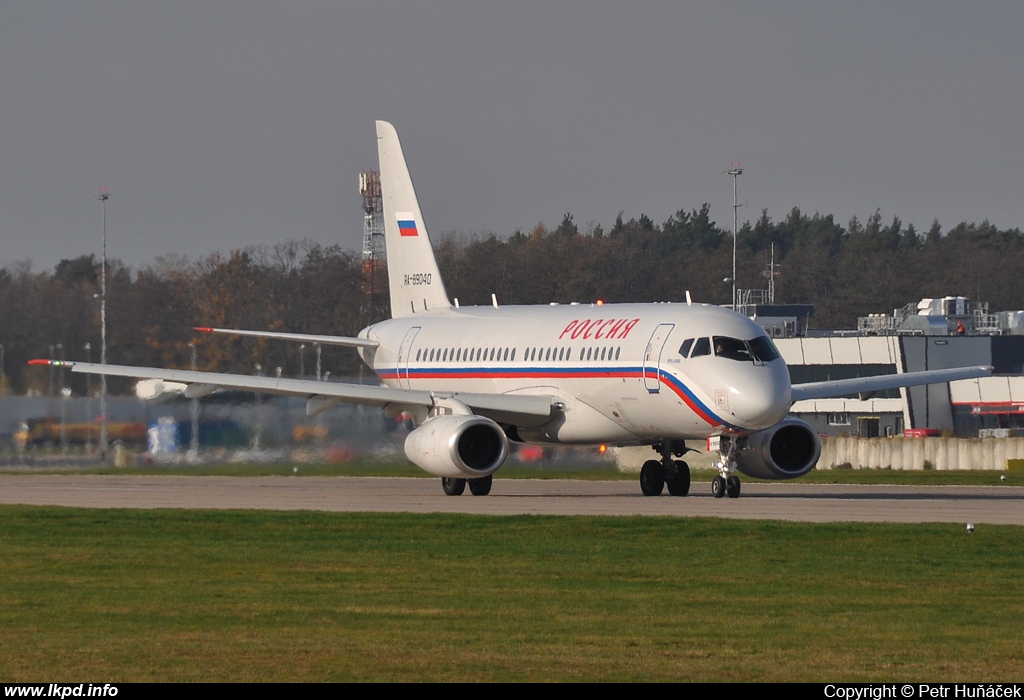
{"x":932,"y":334}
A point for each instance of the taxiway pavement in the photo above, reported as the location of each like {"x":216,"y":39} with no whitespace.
{"x":782,"y":501}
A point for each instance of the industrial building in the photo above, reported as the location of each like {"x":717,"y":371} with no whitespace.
{"x":932,"y":334}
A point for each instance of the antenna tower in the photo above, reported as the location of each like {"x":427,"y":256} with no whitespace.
{"x":373,"y":232}
{"x":771,"y":273}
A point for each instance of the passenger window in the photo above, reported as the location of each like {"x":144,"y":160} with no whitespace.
{"x":701,"y":347}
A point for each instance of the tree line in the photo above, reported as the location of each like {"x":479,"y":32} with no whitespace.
{"x":844,"y":271}
{"x":301,"y":287}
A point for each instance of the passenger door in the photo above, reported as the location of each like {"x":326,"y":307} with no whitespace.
{"x":652,"y":357}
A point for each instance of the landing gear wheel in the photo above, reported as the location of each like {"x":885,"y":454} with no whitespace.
{"x":652,"y":478}
{"x":718,"y":487}
{"x":679,"y":485}
{"x":453,"y":486}
{"x":732,"y":487}
{"x":481,"y":486}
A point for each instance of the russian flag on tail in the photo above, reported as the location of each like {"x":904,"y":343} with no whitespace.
{"x":407,"y":224}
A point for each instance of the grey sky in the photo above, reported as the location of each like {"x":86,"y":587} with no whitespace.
{"x":227,"y":124}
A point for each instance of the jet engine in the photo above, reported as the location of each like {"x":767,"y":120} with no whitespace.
{"x":465,"y":447}
{"x":787,"y":450}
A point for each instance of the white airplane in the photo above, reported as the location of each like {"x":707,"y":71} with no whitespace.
{"x":474,"y":378}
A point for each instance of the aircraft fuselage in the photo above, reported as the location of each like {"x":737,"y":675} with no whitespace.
{"x":616,"y":368}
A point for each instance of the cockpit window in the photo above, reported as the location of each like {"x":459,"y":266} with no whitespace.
{"x":684,"y":349}
{"x":732,"y":348}
{"x":758,"y":350}
{"x":701,"y":347}
{"x":763,"y":349}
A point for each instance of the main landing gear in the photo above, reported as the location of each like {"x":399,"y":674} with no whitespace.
{"x":456,"y":487}
{"x":655,"y":475}
{"x":675,"y":474}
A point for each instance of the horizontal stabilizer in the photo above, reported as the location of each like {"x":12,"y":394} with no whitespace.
{"x":870,"y":385}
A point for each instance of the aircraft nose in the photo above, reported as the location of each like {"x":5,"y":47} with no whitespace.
{"x":762,"y":401}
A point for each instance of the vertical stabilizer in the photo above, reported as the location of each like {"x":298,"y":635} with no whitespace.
{"x":415,"y":282}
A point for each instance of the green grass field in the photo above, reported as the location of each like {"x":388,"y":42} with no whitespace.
{"x":121,"y":595}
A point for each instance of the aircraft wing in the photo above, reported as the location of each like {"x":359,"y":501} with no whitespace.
{"x":297,"y":337}
{"x":518,"y":409}
{"x":866,"y":386}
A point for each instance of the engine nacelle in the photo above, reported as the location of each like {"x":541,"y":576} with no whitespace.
{"x":465,"y":447}
{"x":787,"y":450}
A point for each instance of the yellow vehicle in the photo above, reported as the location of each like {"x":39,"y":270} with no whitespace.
{"x":39,"y":432}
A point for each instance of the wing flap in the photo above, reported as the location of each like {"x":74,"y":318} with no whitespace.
{"x":523,"y":410}
{"x":867,"y":386}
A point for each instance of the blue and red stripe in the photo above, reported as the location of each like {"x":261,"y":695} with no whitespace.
{"x":671,"y":381}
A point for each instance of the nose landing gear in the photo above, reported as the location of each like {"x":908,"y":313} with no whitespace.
{"x":725,"y":484}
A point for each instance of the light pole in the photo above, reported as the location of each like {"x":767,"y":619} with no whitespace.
{"x":103,"y":197}
{"x":60,"y":372}
{"x":258,"y":437}
{"x":735,"y":172}
{"x":50,"y":394}
{"x":64,"y":395}
{"x":194,"y":444}
{"x":88,"y":403}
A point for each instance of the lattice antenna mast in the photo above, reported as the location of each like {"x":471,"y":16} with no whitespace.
{"x":373,"y":215}
{"x":770,"y":272}
{"x":374,"y":251}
